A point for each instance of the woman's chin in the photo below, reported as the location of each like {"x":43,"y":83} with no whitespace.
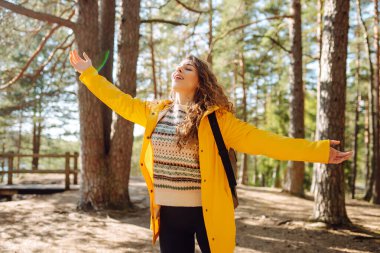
{"x":177,"y":87}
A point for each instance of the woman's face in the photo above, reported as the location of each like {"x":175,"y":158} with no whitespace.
{"x":185,"y":77}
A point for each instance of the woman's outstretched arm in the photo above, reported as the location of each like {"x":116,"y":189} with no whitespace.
{"x":247,"y":138}
{"x":132,"y":109}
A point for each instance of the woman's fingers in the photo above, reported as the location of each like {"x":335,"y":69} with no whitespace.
{"x":336,"y":160}
{"x":77,"y":57}
{"x":72,"y":58}
{"x":347,"y":155}
{"x":340,"y":160}
{"x":73,"y":55}
{"x":86,"y":56}
{"x":334,"y":142}
{"x":342,"y":156}
{"x":338,"y":156}
{"x":76,"y":62}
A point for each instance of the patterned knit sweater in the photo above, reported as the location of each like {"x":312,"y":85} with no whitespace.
{"x":176,"y":174}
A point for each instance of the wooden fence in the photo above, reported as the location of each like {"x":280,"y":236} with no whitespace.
{"x":10,"y":156}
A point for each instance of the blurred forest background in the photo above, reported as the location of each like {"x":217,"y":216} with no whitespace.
{"x":266,"y":54}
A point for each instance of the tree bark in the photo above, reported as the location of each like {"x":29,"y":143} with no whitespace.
{"x":244,"y":162}
{"x":367,"y":142}
{"x":19,"y":138}
{"x":121,"y":146}
{"x":93,"y":194}
{"x":371,"y":91}
{"x":210,"y":30}
{"x":295,"y":173}
{"x":329,"y":198}
{"x":37,"y":129}
{"x":107,"y":37}
{"x":376,"y":188}
{"x":319,"y":39}
{"x":357,"y":113}
{"x":152,"y":55}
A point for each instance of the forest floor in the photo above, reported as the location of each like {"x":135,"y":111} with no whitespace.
{"x":267,"y":220}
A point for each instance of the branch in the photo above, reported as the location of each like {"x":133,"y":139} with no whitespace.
{"x":274,"y":41}
{"x":51,"y":71}
{"x":4,"y":111}
{"x":195,"y":26}
{"x":190,"y":8}
{"x":35,"y":31}
{"x":61,"y":46}
{"x":39,"y":49}
{"x":248,"y":24}
{"x":34,"y":55}
{"x":63,"y":53}
{"x":157,"y":20}
{"x":241,"y":27}
{"x":159,"y":7}
{"x":37,"y":15}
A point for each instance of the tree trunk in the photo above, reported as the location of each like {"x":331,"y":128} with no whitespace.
{"x":244,"y":163}
{"x":235,"y":82}
{"x":376,"y":188}
{"x":329,"y":200}
{"x":121,"y":147}
{"x":151,"y":46}
{"x":2,"y":163}
{"x":319,"y":39}
{"x":19,"y":139}
{"x":367,"y":142}
{"x":107,"y":173}
{"x":94,"y":171}
{"x":107,"y":36}
{"x":276,"y":175}
{"x":160,"y":82}
{"x":357,"y":113}
{"x":295,"y":172}
{"x":262,"y":179}
{"x":373,"y":76}
{"x":37,"y":129}
{"x":256,"y":122}
{"x":210,"y":36}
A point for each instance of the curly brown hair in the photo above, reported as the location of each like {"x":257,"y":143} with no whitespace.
{"x":209,"y":93}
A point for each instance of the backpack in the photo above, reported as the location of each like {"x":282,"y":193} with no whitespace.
{"x":228,"y":157}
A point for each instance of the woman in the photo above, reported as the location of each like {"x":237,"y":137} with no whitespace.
{"x":188,"y":188}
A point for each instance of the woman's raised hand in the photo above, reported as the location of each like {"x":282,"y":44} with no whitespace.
{"x":78,"y":63}
{"x":336,"y":156}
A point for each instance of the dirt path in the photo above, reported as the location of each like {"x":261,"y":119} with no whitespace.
{"x":267,"y":221}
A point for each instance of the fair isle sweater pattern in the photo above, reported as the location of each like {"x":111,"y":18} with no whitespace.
{"x":176,"y":174}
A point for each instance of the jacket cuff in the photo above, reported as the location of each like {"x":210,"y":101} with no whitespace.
{"x":325,"y":149}
{"x":89,"y":72}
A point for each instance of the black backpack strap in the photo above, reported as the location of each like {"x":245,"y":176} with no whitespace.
{"x":223,"y":152}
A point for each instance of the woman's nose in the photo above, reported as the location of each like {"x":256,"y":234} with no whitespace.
{"x":179,"y":68}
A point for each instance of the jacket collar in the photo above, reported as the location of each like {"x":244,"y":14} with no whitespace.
{"x":167,"y":102}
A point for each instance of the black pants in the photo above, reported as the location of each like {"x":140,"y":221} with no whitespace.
{"x":178,"y":224}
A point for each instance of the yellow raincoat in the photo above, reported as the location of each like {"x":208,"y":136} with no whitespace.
{"x":218,"y":210}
